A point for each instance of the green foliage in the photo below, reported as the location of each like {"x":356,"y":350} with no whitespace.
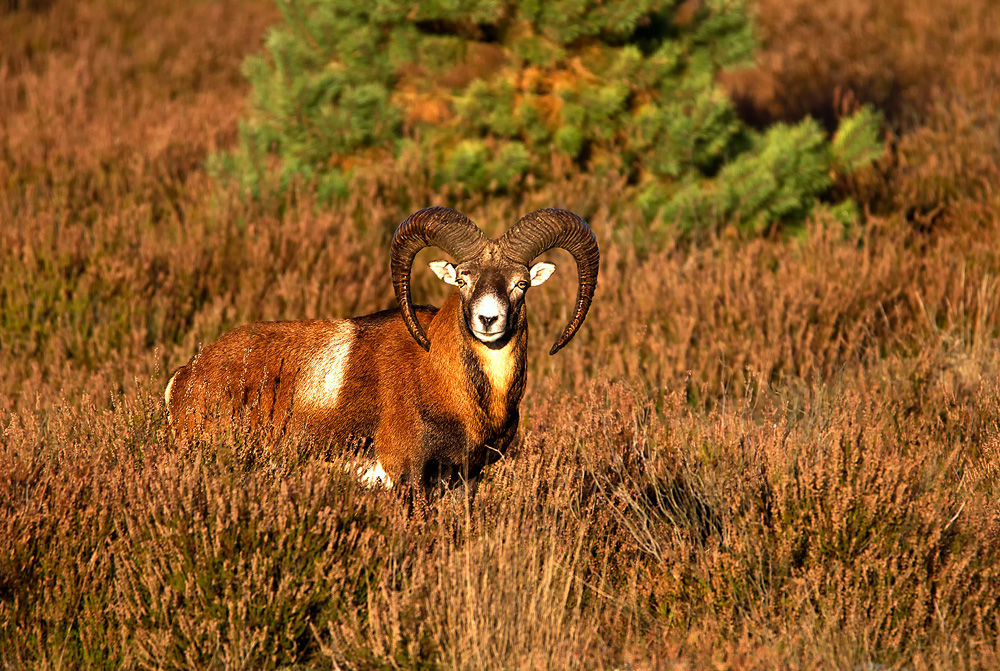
{"x":855,"y":144}
{"x":492,"y":92}
{"x":780,"y":178}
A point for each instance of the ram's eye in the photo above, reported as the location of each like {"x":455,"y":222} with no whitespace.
{"x":461,"y":283}
{"x":522,"y":285}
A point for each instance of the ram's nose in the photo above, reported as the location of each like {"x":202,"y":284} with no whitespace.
{"x":488,"y":320}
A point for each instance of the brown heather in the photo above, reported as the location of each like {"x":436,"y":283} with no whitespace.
{"x":756,"y":454}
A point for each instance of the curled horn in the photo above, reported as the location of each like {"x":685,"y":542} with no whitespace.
{"x":440,"y":227}
{"x":543,"y":230}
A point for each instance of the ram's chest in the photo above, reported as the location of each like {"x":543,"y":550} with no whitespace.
{"x":499,"y":382}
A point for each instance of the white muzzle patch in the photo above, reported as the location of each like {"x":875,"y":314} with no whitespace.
{"x":489,"y":319}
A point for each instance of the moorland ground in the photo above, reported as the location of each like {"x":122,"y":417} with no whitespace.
{"x":757,"y":453}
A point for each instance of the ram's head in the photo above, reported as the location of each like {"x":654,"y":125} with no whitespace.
{"x":493,"y":275}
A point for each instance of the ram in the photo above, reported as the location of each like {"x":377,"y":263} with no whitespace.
{"x":444,"y":399}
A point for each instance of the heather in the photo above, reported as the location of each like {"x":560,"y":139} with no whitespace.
{"x":760,"y":451}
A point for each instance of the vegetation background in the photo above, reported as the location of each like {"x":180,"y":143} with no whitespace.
{"x":760,"y":452}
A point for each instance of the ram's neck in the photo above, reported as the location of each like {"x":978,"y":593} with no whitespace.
{"x":493,"y":378}
{"x":504,"y":370}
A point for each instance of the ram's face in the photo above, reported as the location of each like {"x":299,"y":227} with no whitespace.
{"x":492,"y":294}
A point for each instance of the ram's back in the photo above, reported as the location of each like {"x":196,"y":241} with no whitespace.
{"x":270,"y":379}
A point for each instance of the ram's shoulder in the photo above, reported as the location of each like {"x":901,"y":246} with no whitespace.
{"x":393,"y":318}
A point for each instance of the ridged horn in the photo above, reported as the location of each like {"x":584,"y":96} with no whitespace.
{"x":547,"y":229}
{"x":439,"y":227}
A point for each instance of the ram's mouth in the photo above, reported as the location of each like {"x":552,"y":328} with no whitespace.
{"x":487,"y":336}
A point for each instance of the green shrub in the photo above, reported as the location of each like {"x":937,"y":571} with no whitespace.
{"x":484,"y":95}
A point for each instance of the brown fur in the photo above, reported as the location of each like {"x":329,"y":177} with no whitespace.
{"x":454,"y":405}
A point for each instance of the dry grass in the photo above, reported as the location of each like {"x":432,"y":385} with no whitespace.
{"x":777,"y":453}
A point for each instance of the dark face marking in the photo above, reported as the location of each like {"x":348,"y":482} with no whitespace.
{"x":492,"y":297}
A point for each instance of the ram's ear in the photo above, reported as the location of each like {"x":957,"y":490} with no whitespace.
{"x":445,"y":271}
{"x":541,"y":272}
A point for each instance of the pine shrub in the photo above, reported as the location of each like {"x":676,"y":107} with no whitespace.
{"x":498,"y":96}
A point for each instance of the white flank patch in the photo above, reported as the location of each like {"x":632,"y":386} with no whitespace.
{"x":324,"y":375}
{"x":375,"y":476}
{"x":166,"y":394}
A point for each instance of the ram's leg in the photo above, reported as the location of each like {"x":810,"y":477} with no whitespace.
{"x":398,"y":453}
{"x":375,"y":476}
{"x":499,"y":446}
{"x":467,"y":483}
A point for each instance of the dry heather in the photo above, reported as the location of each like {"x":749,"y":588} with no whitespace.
{"x":757,"y":454}
{"x":900,"y":56}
